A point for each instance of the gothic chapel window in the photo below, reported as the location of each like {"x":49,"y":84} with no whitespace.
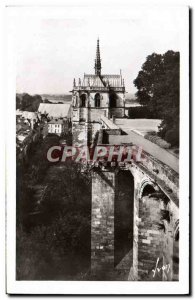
{"x":83,"y":100}
{"x":97,"y":100}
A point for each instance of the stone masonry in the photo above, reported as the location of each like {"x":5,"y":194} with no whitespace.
{"x":154,"y":222}
{"x":102,"y":227}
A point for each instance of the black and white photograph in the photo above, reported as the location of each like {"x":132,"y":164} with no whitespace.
{"x":99,"y":115}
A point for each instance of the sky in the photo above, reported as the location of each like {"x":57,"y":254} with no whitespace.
{"x":53,"y":48}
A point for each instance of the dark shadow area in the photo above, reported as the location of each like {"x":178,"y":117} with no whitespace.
{"x":97,"y":100}
{"x":176,"y":256}
{"x":83,"y":98}
{"x":124,"y":201}
{"x":112,"y":98}
{"x":53,"y":234}
{"x":149,"y":189}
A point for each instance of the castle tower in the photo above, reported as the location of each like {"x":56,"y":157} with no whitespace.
{"x":94,"y":96}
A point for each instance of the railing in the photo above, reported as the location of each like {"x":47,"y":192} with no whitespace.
{"x":99,"y":88}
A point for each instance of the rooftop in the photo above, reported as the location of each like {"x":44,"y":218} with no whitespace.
{"x":103,"y":80}
{"x":98,"y":80}
{"x":56,"y":121}
{"x":55,"y":110}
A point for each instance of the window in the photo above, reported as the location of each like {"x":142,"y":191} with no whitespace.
{"x":112,"y":99}
{"x":97,"y":100}
{"x":83,"y":98}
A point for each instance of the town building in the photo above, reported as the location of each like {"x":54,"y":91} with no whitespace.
{"x":56,"y":126}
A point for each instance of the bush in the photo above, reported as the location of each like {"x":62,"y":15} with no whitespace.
{"x":176,"y":151}
{"x":153,"y":133}
{"x":172,"y":137}
{"x":57,"y":251}
{"x":163,"y":144}
{"x":28,"y":102}
{"x":54,"y":243}
{"x":158,"y":141}
{"x":140,"y":112}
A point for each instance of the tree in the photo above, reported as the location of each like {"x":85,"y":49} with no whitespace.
{"x":28,"y":102}
{"x":18,"y":102}
{"x":158,"y":90}
{"x":144,"y":82}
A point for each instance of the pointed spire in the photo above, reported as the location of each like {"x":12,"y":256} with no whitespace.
{"x":98,"y":60}
{"x":74,"y":82}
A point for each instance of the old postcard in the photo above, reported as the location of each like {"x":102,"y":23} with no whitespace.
{"x":97,"y":151}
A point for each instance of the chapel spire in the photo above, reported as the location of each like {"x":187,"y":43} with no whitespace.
{"x":98,"y":60}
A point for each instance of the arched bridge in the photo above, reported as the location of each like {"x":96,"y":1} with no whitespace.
{"x":135,"y":216}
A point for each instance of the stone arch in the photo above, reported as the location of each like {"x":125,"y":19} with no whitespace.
{"x":146,"y":187}
{"x":155,"y":241}
{"x":83,"y":98}
{"x":97,"y":99}
{"x":148,"y":234}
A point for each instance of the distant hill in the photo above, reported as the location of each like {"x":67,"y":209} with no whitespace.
{"x":63,"y":98}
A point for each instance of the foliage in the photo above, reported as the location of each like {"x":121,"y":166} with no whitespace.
{"x":171,"y":136}
{"x":54,"y":251}
{"x":27,"y":102}
{"x":157,"y":140}
{"x":53,"y":217}
{"x":140,"y":112}
{"x":158,"y":90}
{"x":30,"y":172}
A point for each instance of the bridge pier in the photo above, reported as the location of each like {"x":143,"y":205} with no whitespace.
{"x":102,"y":223}
{"x":112,"y":223}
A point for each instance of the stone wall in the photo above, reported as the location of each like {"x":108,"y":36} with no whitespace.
{"x":117,"y":112}
{"x":102,"y":223}
{"x":96,"y":113}
{"x":104,"y":99}
{"x":154,"y":222}
{"x":163,"y":172}
{"x":155,"y":247}
{"x":79,"y":133}
{"x":155,"y":219}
